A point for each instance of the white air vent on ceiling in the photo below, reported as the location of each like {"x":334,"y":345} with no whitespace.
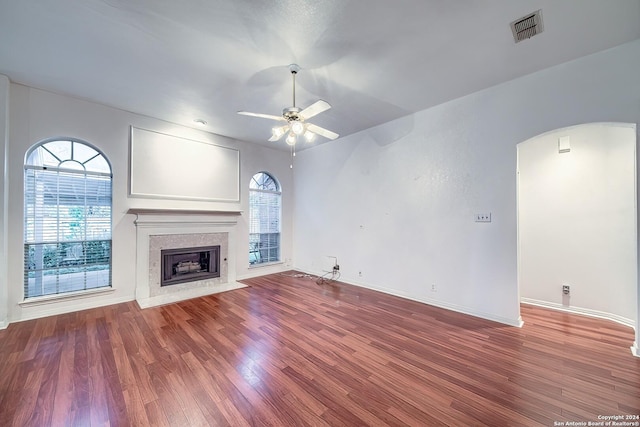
{"x":527,"y":26}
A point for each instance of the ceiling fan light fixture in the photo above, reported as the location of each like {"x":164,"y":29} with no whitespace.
{"x":297,"y":127}
{"x":309,"y":136}
{"x":291,"y":138}
{"x":277,"y":132}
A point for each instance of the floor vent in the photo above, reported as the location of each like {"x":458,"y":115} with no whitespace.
{"x":527,"y":26}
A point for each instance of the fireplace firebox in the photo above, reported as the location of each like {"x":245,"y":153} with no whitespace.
{"x":189,"y":264}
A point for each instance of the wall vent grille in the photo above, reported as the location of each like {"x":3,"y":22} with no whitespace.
{"x":527,"y":26}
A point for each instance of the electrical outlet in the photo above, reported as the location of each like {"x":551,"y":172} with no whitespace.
{"x":483,"y":217}
{"x":434,"y":288}
{"x":566,"y":289}
{"x":359,"y":273}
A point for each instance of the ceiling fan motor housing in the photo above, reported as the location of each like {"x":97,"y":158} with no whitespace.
{"x":292,"y":114}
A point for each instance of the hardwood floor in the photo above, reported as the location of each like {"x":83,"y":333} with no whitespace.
{"x":286,"y":351}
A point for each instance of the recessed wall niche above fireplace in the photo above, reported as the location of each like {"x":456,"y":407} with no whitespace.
{"x":189,"y":264}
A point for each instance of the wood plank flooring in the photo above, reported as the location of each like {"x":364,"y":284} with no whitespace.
{"x":286,"y":351}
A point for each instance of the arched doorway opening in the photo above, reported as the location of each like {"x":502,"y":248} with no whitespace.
{"x":577,"y":221}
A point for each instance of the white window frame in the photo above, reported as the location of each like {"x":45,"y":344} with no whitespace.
{"x":265,"y":226}
{"x":85,"y":266}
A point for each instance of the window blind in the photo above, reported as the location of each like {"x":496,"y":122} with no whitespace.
{"x":264,"y":226}
{"x":67,"y":230}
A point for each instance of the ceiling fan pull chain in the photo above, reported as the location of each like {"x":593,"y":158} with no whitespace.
{"x":293,"y":154}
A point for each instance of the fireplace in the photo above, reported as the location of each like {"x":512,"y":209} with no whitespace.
{"x":189,"y":264}
{"x":190,"y":231}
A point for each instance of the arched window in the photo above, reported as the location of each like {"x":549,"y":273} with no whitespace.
{"x":67,"y":218}
{"x":264,"y":219}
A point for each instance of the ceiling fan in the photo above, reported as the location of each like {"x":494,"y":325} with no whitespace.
{"x":296,"y":119}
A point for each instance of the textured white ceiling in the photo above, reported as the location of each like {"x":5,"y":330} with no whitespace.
{"x":372,"y":60}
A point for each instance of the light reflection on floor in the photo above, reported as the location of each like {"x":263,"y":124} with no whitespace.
{"x":246,"y":370}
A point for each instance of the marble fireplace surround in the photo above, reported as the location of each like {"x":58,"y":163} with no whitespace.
{"x":170,"y":229}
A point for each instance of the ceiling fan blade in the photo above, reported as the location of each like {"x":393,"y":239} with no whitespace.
{"x":322,"y":131}
{"x":264,"y":116}
{"x":314,"y":109}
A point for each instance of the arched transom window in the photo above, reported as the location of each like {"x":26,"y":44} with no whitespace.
{"x":264,"y":219}
{"x":67,"y":218}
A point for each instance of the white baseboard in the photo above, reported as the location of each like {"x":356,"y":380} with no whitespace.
{"x":264,"y":269}
{"x":52,"y":307}
{"x":436,"y":303}
{"x":187,"y":294}
{"x":61,"y":306}
{"x":635,"y":350}
{"x":583,"y":311}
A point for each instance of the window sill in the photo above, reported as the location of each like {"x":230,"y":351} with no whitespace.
{"x":265,"y":264}
{"x":50,"y":299}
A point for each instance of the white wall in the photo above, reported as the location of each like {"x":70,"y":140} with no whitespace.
{"x":577,"y":220}
{"x":36,"y":115}
{"x":4,"y":136}
{"x":397,"y":202}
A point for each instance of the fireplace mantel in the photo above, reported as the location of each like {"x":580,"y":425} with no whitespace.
{"x":172,"y":218}
{"x":164,"y":211}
